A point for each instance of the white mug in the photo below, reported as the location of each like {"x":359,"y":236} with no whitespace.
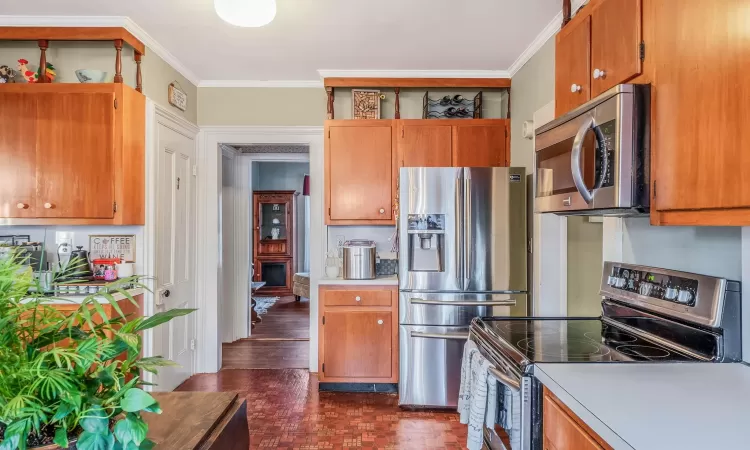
{"x":125,"y":270}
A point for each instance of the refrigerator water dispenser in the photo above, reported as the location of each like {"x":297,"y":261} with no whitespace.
{"x":426,"y":242}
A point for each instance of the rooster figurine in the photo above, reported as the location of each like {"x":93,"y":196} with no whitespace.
{"x":33,"y":76}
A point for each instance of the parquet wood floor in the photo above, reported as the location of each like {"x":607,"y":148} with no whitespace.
{"x":285,"y":411}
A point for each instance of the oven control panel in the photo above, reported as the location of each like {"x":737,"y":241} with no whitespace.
{"x":655,"y":285}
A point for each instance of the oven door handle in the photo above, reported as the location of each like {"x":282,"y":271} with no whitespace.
{"x":506,"y":380}
{"x":575,"y":159}
{"x":448,"y":336}
{"x":419,"y":301}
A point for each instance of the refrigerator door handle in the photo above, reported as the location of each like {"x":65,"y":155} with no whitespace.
{"x":468,"y":233}
{"x":419,"y":301}
{"x":459,"y":226}
{"x":451,"y":336}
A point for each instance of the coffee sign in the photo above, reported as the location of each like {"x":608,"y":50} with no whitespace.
{"x":112,"y":246}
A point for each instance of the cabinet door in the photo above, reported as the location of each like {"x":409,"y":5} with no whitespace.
{"x":360,"y":173}
{"x":572,"y":69}
{"x":481,"y":145}
{"x":75,"y":154}
{"x":18,"y":127}
{"x":561,"y":432}
{"x":615,"y":43}
{"x":358,"y":344}
{"x":424,"y":145}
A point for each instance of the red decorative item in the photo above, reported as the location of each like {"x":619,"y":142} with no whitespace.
{"x":105,"y":268}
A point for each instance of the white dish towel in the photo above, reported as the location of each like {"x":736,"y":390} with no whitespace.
{"x":477,"y":387}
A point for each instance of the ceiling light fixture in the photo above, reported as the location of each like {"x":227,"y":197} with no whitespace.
{"x":246,"y":13}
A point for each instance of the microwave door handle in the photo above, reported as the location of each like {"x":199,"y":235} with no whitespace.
{"x":599,"y":136}
{"x":575,"y":160}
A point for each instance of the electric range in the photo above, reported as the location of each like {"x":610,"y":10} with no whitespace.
{"x":648,"y":315}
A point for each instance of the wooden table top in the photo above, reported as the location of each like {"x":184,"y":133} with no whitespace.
{"x":188,"y":418}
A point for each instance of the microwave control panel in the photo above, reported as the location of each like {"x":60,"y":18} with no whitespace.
{"x":655,"y":285}
{"x":606,"y":147}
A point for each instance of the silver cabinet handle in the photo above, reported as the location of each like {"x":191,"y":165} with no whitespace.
{"x":503,"y":378}
{"x":48,"y":206}
{"x":380,"y":321}
{"x":382,"y":210}
{"x":575,"y":88}
{"x":22,"y":205}
{"x":575,"y":159}
{"x":358,"y":298}
{"x":598,"y":73}
{"x":419,"y":301}
{"x":448,"y":336}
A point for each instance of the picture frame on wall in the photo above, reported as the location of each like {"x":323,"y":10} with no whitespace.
{"x":366,"y":103}
{"x":120,"y":246}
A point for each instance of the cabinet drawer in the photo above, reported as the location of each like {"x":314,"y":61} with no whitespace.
{"x":373,"y":297}
{"x":272,"y":247}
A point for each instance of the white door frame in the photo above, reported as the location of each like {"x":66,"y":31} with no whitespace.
{"x":550,"y":252}
{"x":244,"y":224}
{"x":209,"y":184}
{"x":156,"y":115}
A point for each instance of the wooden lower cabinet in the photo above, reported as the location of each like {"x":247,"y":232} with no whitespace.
{"x":563,"y":430}
{"x":358,"y":337}
{"x":278,"y":274}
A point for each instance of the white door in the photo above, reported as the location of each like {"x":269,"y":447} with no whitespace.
{"x":175,"y":253}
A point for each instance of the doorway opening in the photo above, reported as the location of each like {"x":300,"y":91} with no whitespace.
{"x":276,"y":199}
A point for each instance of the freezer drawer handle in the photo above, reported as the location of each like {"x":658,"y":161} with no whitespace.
{"x":419,"y":301}
{"x":452,"y":336}
{"x":514,"y":385}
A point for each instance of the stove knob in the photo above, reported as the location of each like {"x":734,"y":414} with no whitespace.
{"x":670,"y":293}
{"x":684,"y":296}
{"x":620,"y":282}
{"x":645,"y":288}
{"x":611,"y":280}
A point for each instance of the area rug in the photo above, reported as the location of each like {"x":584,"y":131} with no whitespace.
{"x":263,"y":303}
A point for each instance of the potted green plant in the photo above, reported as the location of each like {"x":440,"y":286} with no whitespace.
{"x":72,"y":379}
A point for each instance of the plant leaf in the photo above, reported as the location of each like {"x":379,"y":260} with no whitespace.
{"x":61,"y":437}
{"x":95,"y":441}
{"x":95,"y":421}
{"x":151,"y":363}
{"x":155,"y":408}
{"x":18,"y":429}
{"x":162,"y":317}
{"x":131,"y":429}
{"x":10,"y":442}
{"x":147,"y":445}
{"x":136,"y":400}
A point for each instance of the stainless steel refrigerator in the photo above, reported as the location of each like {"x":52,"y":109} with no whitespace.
{"x":462,"y":254}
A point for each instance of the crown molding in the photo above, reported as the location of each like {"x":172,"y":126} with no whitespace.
{"x":161,"y":51}
{"x":549,"y":31}
{"x":326,"y":73}
{"x":261,"y":83}
{"x":103,"y":21}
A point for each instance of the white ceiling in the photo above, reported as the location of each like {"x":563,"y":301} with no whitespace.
{"x":309,"y":35}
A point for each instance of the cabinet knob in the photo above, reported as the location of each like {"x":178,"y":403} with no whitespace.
{"x":358,"y":298}
{"x":382,"y":210}
{"x":575,"y":88}
{"x":48,"y":206}
{"x":598,"y":73}
{"x":22,"y":206}
{"x":380,"y":321}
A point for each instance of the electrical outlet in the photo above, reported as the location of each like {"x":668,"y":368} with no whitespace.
{"x":340,"y":239}
{"x":64,"y":237}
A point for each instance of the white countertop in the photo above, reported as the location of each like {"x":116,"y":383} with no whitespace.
{"x":68,"y":299}
{"x":666,"y":406}
{"x":390,"y":280}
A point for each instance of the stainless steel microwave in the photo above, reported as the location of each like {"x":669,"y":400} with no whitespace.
{"x":594,"y":160}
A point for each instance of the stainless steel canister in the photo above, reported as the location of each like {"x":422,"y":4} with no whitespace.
{"x":359,"y":260}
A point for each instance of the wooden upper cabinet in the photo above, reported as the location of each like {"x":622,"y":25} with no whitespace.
{"x":572,"y":66}
{"x":75,"y":154}
{"x":481,"y":145}
{"x":424,"y":143}
{"x":18,"y":149}
{"x":359,"y":176}
{"x":358,"y":344}
{"x":700,"y":137}
{"x":616,"y":38}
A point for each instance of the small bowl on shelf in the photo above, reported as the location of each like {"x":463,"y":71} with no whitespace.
{"x":91,"y":75}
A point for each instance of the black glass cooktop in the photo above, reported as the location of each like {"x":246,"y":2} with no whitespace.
{"x":575,"y":340}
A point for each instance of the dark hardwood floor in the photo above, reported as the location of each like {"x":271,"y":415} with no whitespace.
{"x":280,"y":341}
{"x":285,"y":411}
